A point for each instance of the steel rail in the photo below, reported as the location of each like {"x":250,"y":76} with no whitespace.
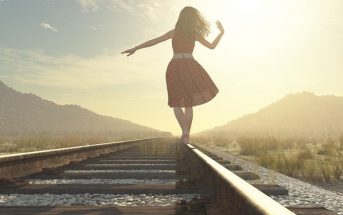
{"x":17,"y":165}
{"x":232,"y":194}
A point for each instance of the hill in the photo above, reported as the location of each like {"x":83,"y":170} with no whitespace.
{"x":294,"y":116}
{"x":25,"y":113}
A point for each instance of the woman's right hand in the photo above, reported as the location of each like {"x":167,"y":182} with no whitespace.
{"x":220,"y":26}
{"x":129,"y":51}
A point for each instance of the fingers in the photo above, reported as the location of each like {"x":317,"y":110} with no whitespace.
{"x":128,"y":52}
{"x":220,"y":26}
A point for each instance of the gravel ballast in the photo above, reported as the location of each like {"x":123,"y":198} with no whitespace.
{"x":92,"y":200}
{"x":119,"y":171}
{"x":102,"y":181}
{"x":300,"y":193}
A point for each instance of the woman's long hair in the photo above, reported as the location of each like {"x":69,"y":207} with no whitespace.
{"x":192,"y":23}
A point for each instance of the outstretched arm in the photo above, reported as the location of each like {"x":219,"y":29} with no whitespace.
{"x":215,"y":42}
{"x":149,"y":43}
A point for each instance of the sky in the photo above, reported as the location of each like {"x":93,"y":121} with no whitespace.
{"x":68,"y":51}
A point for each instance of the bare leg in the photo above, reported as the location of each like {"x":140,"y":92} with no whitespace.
{"x":188,"y":121}
{"x":180,"y":116}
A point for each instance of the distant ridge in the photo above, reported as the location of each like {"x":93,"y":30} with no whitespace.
{"x":296,"y":115}
{"x":26,"y":113}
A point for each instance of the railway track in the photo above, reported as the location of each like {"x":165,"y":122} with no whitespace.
{"x":145,"y":176}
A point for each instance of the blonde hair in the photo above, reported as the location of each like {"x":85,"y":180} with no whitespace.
{"x":192,"y":23}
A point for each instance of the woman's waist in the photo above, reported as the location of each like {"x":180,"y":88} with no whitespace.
{"x":181,"y":55}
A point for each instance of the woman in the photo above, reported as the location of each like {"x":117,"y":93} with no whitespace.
{"x":188,"y":84}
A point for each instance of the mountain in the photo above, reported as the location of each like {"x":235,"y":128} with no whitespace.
{"x":296,"y":115}
{"x":22,"y":113}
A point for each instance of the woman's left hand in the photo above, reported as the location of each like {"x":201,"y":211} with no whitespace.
{"x":129,"y":51}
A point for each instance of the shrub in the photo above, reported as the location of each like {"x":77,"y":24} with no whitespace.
{"x":337,"y":167}
{"x":326,"y":171}
{"x":305,"y":154}
{"x":43,"y":142}
{"x":311,"y":171}
{"x":329,"y":148}
{"x":248,"y":146}
{"x":289,"y":164}
{"x":266,"y":159}
{"x":253,"y":145}
{"x":341,"y":142}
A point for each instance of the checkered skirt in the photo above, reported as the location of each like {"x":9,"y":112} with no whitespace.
{"x":188,"y":83}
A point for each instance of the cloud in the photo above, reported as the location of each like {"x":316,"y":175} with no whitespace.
{"x":151,"y":10}
{"x":88,"y":5}
{"x":121,"y":5}
{"x":48,"y":26}
{"x":93,"y":27}
{"x":117,"y":6}
{"x":113,"y":5}
{"x":80,"y":73}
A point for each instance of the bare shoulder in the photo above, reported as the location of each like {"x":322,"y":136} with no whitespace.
{"x":199,"y":38}
{"x":166,"y":36}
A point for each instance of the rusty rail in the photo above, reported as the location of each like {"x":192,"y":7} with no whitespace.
{"x":17,"y":165}
{"x":231,"y":194}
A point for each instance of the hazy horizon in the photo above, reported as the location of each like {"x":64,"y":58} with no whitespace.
{"x":69,"y":52}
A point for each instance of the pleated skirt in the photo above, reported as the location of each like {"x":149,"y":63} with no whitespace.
{"x":188,"y":83}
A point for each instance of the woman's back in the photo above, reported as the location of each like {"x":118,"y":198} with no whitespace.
{"x":181,"y":43}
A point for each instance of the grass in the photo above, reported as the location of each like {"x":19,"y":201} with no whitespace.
{"x":313,"y":160}
{"x":337,"y":167}
{"x":37,"y":142}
